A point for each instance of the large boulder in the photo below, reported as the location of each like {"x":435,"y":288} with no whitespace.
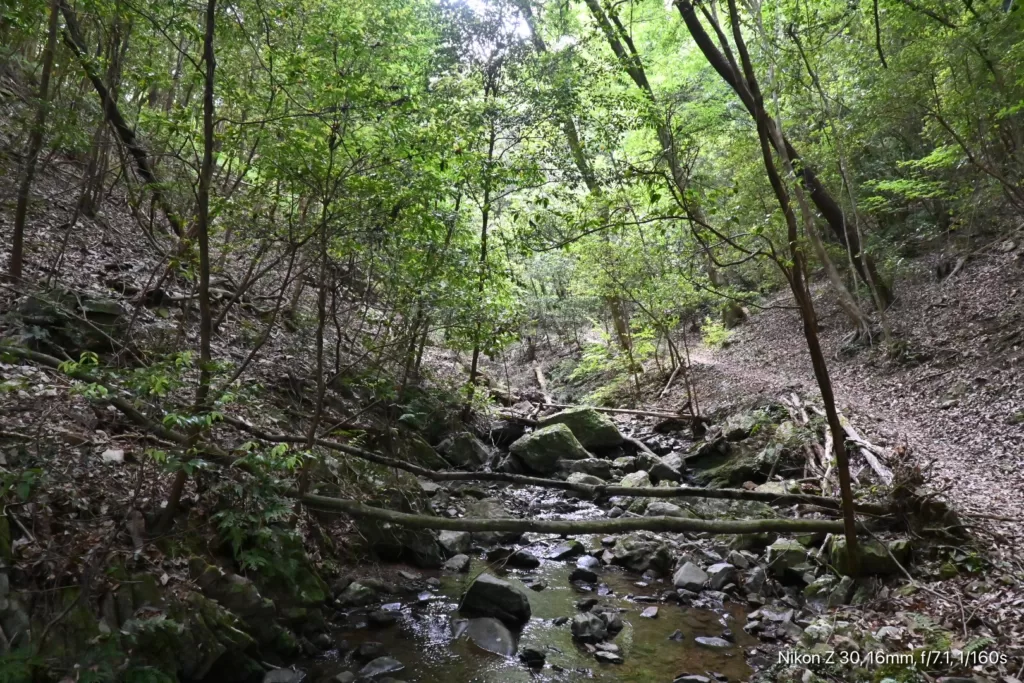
{"x":660,"y":508}
{"x":591,"y":428}
{"x":588,"y":627}
{"x":61,"y":321}
{"x":739,"y":426}
{"x":394,"y":543}
{"x":638,"y":479}
{"x":876,"y":557}
{"x":786,"y":555}
{"x":489,"y":596}
{"x":465,"y":450}
{"x":541,"y":450}
{"x":589,"y":479}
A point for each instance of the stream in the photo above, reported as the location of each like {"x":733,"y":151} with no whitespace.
{"x":423,"y":638}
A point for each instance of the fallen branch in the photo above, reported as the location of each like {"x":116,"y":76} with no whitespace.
{"x":671,"y":379}
{"x":868,"y":451}
{"x":581,"y":526}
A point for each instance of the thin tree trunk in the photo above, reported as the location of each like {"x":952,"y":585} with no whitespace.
{"x":796,"y":276}
{"x":203,"y":234}
{"x":35,"y":144}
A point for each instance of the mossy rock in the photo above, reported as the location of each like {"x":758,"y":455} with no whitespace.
{"x":875,"y":557}
{"x":591,"y":428}
{"x":542,"y":449}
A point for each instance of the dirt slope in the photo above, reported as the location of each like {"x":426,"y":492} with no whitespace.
{"x":957,"y":400}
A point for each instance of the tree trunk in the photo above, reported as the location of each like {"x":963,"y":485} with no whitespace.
{"x":796,"y":276}
{"x":35,"y":144}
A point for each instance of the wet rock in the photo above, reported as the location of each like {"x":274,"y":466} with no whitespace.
{"x":343,"y":677}
{"x":661,"y":471}
{"x":588,"y":562}
{"x":626,"y":463}
{"x":489,"y":596}
{"x":755,"y":580}
{"x":677,"y":636}
{"x":611,"y":618}
{"x":608,"y":541}
{"x":584,"y":575}
{"x":587,"y":627}
{"x":738,"y":560}
{"x":465,"y":450}
{"x":615,"y":512}
{"x":356,"y":595}
{"x":720,"y":575}
{"x":650,"y":612}
{"x":590,"y":427}
{"x":638,"y":479}
{"x":610,"y":657}
{"x":690,"y":577}
{"x":395,"y":543}
{"x":588,"y":479}
{"x":381,"y":667}
{"x":434,"y":582}
{"x":454,"y":542}
{"x":712,"y":642}
{"x":691,"y":678}
{"x":368,"y":650}
{"x":569,"y":550}
{"x":533,"y":657}
{"x":586,"y":604}
{"x":382,"y":618}
{"x":639,"y":554}
{"x":595,"y":467}
{"x":491,"y":635}
{"x":523,"y":559}
{"x":541,"y":450}
{"x":560,"y":621}
{"x":662,"y":509}
{"x":537,"y":585}
{"x":283,"y":676}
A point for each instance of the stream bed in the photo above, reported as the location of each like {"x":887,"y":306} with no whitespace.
{"x":423,"y":638}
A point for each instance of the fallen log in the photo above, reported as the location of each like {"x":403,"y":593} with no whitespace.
{"x":627,"y":411}
{"x":579,"y":526}
{"x":583,"y":489}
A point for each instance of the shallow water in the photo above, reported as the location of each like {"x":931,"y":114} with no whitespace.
{"x":423,"y":641}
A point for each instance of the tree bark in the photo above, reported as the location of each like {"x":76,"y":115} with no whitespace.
{"x":35,"y":144}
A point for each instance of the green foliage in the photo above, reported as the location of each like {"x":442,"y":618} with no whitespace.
{"x":714,"y":334}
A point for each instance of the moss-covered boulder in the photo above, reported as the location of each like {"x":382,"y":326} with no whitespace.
{"x":590,"y":427}
{"x":875,"y":556}
{"x":541,"y":450}
{"x":419,"y":452}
